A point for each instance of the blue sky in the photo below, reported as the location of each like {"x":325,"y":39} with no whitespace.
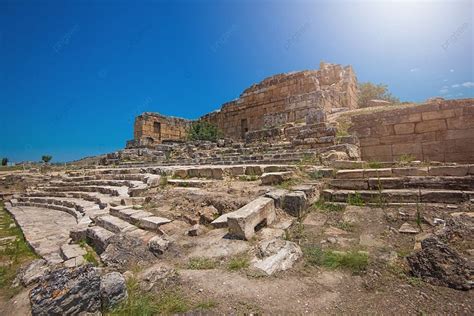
{"x":74,"y":74}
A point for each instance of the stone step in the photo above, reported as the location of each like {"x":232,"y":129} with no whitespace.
{"x":142,"y":219}
{"x":98,"y":237}
{"x":452,"y":171}
{"x":78,"y":204}
{"x":399,"y":195}
{"x":114,"y":224}
{"x":68,"y":210}
{"x":428,"y":182}
{"x":194,"y":183}
{"x":98,"y":189}
{"x":76,"y":195}
{"x":109,"y":183}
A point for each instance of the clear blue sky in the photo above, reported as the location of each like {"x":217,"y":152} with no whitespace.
{"x":74,"y":74}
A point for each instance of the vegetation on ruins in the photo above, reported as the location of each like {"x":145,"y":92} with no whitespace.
{"x":4,"y":161}
{"x":324,"y":207}
{"x":355,"y":199}
{"x":199,"y":263}
{"x":46,"y":158}
{"x":14,"y":253}
{"x":238,"y":263}
{"x":203,"y":130}
{"x":370,"y":91}
{"x":355,"y":261}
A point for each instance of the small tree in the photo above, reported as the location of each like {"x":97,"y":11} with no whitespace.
{"x":369,"y":91}
{"x":4,"y":161}
{"x":203,"y":130}
{"x":46,"y":158}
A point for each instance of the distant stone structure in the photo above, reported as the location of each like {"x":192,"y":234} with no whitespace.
{"x":151,"y":129}
{"x":441,"y":130}
{"x":297,"y":97}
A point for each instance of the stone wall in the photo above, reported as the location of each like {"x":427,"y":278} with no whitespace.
{"x":151,"y":129}
{"x":442,"y":130}
{"x":287,"y":98}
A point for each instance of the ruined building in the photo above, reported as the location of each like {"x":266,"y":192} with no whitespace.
{"x":277,"y":100}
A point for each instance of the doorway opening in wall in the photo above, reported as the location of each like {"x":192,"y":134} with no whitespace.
{"x":157,"y":129}
{"x":243,"y":128}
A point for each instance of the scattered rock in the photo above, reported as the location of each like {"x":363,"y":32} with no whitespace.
{"x":295,"y":203}
{"x":276,"y":255}
{"x":67,"y":291}
{"x":272,"y":178}
{"x":439,"y":264}
{"x":34,"y":272}
{"x":72,"y":251}
{"x":113,"y":289}
{"x":125,"y":251}
{"x":408,"y":229}
{"x":196,"y":230}
{"x":158,"y":245}
{"x":207,"y":214}
{"x":158,"y":276}
{"x":74,"y":262}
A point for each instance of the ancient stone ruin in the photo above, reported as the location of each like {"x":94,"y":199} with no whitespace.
{"x":287,"y":191}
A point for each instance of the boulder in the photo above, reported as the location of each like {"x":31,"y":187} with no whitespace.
{"x":158,"y":244}
{"x":276,"y":255}
{"x":439,"y":264}
{"x":33,"y":272}
{"x":67,"y":291}
{"x":295,"y":203}
{"x":113,"y":289}
{"x":125,"y":251}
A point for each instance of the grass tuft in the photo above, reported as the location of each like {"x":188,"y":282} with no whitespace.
{"x":354,"y":261}
{"x":198,"y":263}
{"x":325,"y":207}
{"x":238,"y":263}
{"x":355,"y":199}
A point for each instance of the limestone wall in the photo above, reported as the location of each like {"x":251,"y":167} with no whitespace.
{"x":438,"y":131}
{"x":287,"y":98}
{"x":152,"y":128}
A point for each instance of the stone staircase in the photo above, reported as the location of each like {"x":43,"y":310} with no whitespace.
{"x":449,"y":184}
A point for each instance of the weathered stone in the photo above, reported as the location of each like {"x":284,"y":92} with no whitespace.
{"x":196,"y":230}
{"x":125,"y":251}
{"x":276,"y":255}
{"x":278,"y":195}
{"x":295,"y":203}
{"x":152,"y":223}
{"x":272,"y":178}
{"x":242,"y":223}
{"x":67,"y":291}
{"x":34,"y":272}
{"x":113,"y":289}
{"x":158,"y":276}
{"x":69,"y":251}
{"x":158,"y":244}
{"x":207,"y":214}
{"x":439,"y":264}
{"x":74,"y":262}
{"x":99,"y":238}
{"x":408,"y":229}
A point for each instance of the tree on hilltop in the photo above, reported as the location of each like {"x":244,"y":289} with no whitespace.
{"x":4,"y":161}
{"x":46,"y":158}
{"x":370,"y":91}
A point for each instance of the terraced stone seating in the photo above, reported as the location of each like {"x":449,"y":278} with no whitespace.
{"x":433,"y":184}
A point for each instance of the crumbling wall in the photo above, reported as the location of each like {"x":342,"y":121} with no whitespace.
{"x":442,"y":130}
{"x":286,"y":98}
{"x":152,"y":128}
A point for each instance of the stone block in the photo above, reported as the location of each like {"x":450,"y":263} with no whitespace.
{"x":458,"y":171}
{"x":430,"y":126}
{"x":348,"y":184}
{"x":152,"y":223}
{"x":404,"y":128}
{"x":406,"y":149}
{"x":135,"y":217}
{"x":69,"y":251}
{"x":377,"y":173}
{"x":376,"y":151}
{"x":444,"y":196}
{"x":98,"y":237}
{"x":278,"y":196}
{"x":272,"y":178}
{"x":253,"y":170}
{"x":295,"y":203}
{"x":350,"y":174}
{"x":435,"y":115}
{"x":242,"y":223}
{"x":411,"y":171}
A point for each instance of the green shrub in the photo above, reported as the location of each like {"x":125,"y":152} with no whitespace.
{"x":325,"y":207}
{"x":374,"y":164}
{"x":4,"y":161}
{"x":46,"y":158}
{"x":203,"y":130}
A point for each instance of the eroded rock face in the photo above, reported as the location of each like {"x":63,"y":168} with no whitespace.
{"x":126,"y":251}
{"x":439,"y":264}
{"x":113,"y":289}
{"x":33,"y":272}
{"x":276,"y":255}
{"x":67,"y":291}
